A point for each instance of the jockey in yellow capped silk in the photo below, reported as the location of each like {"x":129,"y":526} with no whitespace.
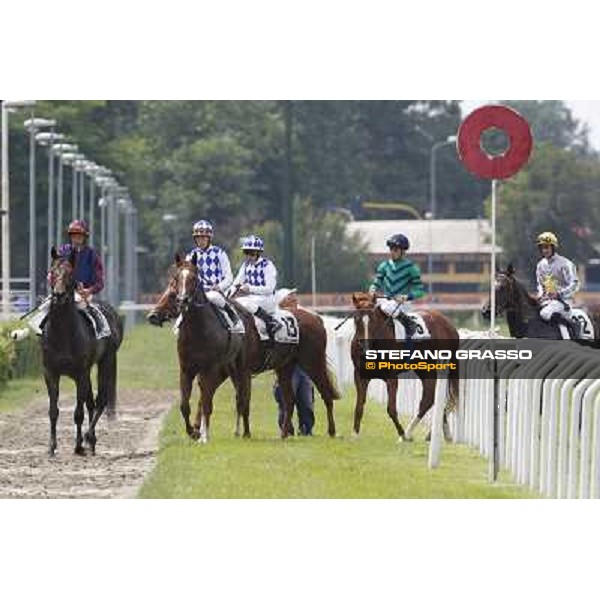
{"x":557,"y":283}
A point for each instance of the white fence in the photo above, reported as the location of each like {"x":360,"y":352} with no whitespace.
{"x":548,"y":412}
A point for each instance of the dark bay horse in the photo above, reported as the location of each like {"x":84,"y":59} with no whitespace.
{"x":257,"y":356}
{"x":372,"y":323}
{"x":70,"y":347}
{"x":522,"y":310}
{"x":207,"y":351}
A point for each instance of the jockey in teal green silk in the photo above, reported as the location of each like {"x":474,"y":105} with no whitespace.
{"x":398,"y":280}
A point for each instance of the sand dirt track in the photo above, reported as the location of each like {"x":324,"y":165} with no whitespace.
{"x":125,"y":451}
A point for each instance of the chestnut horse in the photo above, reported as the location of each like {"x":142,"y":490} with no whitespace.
{"x":256,"y":355}
{"x":380,"y":326}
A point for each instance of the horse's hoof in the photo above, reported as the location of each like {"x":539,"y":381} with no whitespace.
{"x":194,"y":434}
{"x":247,"y":435}
{"x":80,"y":451}
{"x":202,"y":440}
{"x":406,"y":438}
{"x":354,"y":436}
{"x":51,"y":452}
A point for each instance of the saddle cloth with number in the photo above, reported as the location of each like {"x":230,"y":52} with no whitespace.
{"x":288,"y":334}
{"x":586,"y":331}
{"x":421,"y":332}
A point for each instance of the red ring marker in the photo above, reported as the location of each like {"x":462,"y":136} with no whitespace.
{"x":477,"y":160}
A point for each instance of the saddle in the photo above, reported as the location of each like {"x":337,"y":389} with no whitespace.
{"x":288,"y":334}
{"x":560,"y":330}
{"x":98,"y":319}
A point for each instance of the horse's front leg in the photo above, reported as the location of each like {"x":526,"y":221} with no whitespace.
{"x":52,"y":385}
{"x":208,"y":384}
{"x":361,"y":397}
{"x":392,"y":407}
{"x":185,"y":385}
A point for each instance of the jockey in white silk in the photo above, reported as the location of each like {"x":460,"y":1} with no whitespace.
{"x":557,"y":281}
{"x":214,"y":268}
{"x":256,"y":280}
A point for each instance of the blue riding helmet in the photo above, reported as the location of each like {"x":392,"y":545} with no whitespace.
{"x":398,"y":241}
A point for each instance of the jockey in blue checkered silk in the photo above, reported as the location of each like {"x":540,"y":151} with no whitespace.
{"x":255,"y":283}
{"x":214,"y":268}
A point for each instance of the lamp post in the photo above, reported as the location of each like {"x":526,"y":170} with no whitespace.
{"x":75,"y":184}
{"x":121,"y":206}
{"x":433,"y":201}
{"x":92,"y":170}
{"x":48,"y":139}
{"x":170,"y":218}
{"x":106,"y":204}
{"x":33,"y":125}
{"x":61,"y":150}
{"x":6,"y":107}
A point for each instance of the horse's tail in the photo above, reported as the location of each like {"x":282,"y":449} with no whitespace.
{"x":107,"y":381}
{"x":330,"y":384}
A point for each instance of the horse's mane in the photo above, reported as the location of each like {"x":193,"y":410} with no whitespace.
{"x":531,"y":300}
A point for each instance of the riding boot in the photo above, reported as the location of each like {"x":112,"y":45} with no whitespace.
{"x":97,"y":318}
{"x":231,"y":313}
{"x":409,"y":325}
{"x":273,"y":326}
{"x":557,"y":319}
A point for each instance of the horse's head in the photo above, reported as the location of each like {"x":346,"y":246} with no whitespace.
{"x":61,"y":279}
{"x":369,"y":320}
{"x":185,"y":284}
{"x":363,"y":301}
{"x":505,"y":290}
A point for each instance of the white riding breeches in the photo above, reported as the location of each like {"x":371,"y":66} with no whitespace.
{"x":390,"y":307}
{"x":216,"y":298}
{"x":40,"y":314}
{"x":553,"y":306}
{"x":253,"y":302}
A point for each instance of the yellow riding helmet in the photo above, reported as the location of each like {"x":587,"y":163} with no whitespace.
{"x":547,"y":238}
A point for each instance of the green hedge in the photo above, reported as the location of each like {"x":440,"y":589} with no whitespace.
{"x":18,"y":359}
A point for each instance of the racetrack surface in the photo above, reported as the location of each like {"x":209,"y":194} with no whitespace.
{"x":125,"y":451}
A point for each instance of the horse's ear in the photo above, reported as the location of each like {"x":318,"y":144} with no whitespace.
{"x":53,"y":253}
{"x":194,"y":259}
{"x":178,"y":259}
{"x":510,"y":270}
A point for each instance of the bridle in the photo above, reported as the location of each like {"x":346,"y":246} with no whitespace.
{"x":66,"y":270}
{"x":187,"y":299}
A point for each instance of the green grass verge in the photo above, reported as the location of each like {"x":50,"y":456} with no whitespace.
{"x":147,"y":360}
{"x":374,"y":466}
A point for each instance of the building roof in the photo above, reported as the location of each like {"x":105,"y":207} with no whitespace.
{"x":439,"y":236}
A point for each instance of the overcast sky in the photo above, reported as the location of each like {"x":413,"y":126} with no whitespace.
{"x":583,"y":110}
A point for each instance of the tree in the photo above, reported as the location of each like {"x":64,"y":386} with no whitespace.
{"x":552,"y":121}
{"x":557,"y":191}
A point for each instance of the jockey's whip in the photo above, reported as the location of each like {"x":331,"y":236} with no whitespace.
{"x":340,"y":324}
{"x":30,"y":312}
